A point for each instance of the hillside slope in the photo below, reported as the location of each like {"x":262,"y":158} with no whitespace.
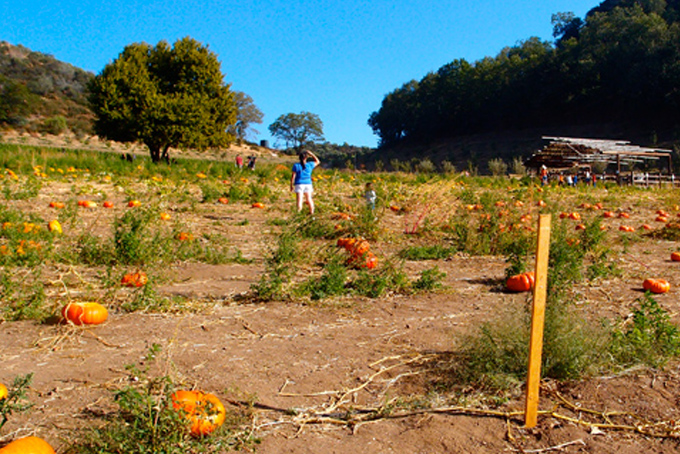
{"x":40,"y":93}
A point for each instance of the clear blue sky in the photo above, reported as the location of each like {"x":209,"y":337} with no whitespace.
{"x":337,"y":59}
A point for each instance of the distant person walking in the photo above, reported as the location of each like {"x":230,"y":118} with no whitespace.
{"x":239,"y":161}
{"x":301,"y":181}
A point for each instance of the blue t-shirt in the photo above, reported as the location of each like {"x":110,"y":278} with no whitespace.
{"x":303,"y":176}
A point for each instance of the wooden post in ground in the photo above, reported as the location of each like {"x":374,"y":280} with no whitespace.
{"x":537,"y":321}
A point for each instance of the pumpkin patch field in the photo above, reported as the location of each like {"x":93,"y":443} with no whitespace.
{"x":187,"y":307}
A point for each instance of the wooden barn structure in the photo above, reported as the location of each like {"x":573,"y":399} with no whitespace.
{"x":565,"y":153}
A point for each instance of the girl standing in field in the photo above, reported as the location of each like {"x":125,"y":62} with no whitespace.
{"x":301,"y":181}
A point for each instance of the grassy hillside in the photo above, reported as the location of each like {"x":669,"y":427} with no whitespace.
{"x":42,"y":94}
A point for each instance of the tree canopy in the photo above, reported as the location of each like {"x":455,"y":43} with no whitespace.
{"x":247,"y":114}
{"x":164,"y":97}
{"x":620,"y":65}
{"x":298,"y":130}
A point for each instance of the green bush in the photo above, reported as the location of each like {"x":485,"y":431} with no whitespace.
{"x":649,"y":339}
{"x":430,"y":279}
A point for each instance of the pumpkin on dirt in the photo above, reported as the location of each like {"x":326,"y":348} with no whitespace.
{"x":257,"y":205}
{"x":656,"y":285}
{"x":341,"y":217}
{"x":134,"y":203}
{"x":28,"y":445}
{"x":107,"y":204}
{"x":624,"y":215}
{"x":184,"y":236}
{"x":3,"y":391}
{"x":58,"y":205}
{"x":626,"y":228}
{"x":84,"y":313}
{"x":54,"y":226}
{"x":223,"y":200}
{"x":367,"y":260}
{"x":608,"y":214}
{"x":136,"y":279}
{"x":520,"y":282}
{"x":675,"y":256}
{"x":165,"y":217}
{"x":204,"y":411}
{"x":87,"y":204}
{"x":575,"y":216}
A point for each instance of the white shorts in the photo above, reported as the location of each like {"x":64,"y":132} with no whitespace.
{"x":303,"y":189}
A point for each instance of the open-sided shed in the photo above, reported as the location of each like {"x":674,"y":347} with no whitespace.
{"x":568,"y":152}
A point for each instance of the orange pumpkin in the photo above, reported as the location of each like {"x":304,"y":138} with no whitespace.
{"x":359,"y":247}
{"x":184,"y":236}
{"x":656,"y":285}
{"x":341,"y":216}
{"x":165,"y":217}
{"x":87,"y":203}
{"x":575,"y":216}
{"x":647,"y":227}
{"x":395,"y":208}
{"x":257,"y":205}
{"x":57,"y":205}
{"x":624,"y":215}
{"x":136,"y":279}
{"x":520,"y":282}
{"x":580,"y":227}
{"x":28,"y":445}
{"x":662,"y":213}
{"x":3,"y":391}
{"x":204,"y":411}
{"x":84,"y":313}
{"x":661,"y":219}
{"x":134,"y":203}
{"x":626,"y":228}
{"x":223,"y":200}
{"x":675,"y":256}
{"x":608,"y":214}
{"x":107,"y":204}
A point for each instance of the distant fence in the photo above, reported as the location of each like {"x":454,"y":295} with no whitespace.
{"x":642,"y":179}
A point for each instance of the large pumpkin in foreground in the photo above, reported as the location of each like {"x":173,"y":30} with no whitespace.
{"x":205,"y":411}
{"x":84,"y":313}
{"x":28,"y":445}
{"x":520,"y":282}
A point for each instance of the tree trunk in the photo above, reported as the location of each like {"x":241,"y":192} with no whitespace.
{"x":165,"y":155}
{"x":155,"y":151}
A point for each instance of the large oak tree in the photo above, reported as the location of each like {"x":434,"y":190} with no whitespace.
{"x":298,"y":130}
{"x":164,"y":97}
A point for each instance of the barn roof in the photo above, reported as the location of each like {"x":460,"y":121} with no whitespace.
{"x":567,"y":152}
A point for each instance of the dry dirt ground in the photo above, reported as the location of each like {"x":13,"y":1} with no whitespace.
{"x":300,"y":362}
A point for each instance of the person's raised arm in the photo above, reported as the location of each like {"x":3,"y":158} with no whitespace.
{"x":313,"y":156}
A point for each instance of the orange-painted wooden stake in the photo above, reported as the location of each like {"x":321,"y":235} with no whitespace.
{"x":537,"y":321}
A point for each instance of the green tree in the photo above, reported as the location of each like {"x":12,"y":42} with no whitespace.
{"x":247,"y":114}
{"x":16,"y":102}
{"x":164,"y":97}
{"x":298,"y":130}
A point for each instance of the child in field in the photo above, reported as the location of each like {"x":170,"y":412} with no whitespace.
{"x":370,"y":196}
